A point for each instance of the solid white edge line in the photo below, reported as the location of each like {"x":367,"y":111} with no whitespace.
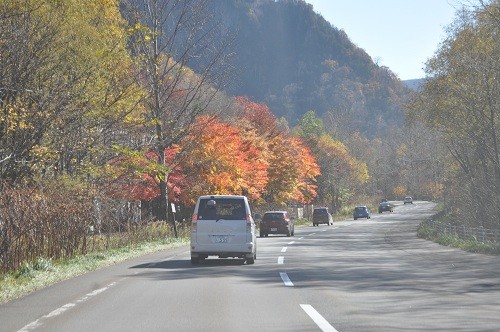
{"x":285,"y":279}
{"x":39,"y":322}
{"x":281,"y":259}
{"x":317,"y":318}
{"x":284,"y":249}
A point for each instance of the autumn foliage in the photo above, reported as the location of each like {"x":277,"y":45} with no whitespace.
{"x":221,"y":162}
{"x":245,"y":155}
{"x":135,"y":176}
{"x":252,"y":158}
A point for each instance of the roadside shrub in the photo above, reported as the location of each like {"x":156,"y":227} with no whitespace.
{"x":426,"y":232}
{"x":63,"y":218}
{"x":28,"y":270}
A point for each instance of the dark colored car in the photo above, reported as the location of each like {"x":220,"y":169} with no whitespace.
{"x":385,"y":206}
{"x":321,"y":215}
{"x":276,"y":222}
{"x":361,"y":211}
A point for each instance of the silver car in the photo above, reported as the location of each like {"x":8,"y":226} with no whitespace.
{"x":408,"y":200}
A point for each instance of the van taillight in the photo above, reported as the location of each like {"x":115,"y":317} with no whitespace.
{"x":193,"y":222}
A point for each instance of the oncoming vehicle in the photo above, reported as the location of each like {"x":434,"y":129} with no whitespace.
{"x":361,"y":211}
{"x":321,"y":215}
{"x":408,"y":200}
{"x":223,"y":226}
{"x":276,"y":222}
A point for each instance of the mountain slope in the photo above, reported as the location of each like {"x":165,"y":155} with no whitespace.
{"x":415,"y":84}
{"x":294,"y":60}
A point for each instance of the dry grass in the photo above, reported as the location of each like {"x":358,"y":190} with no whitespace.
{"x":42,"y":273}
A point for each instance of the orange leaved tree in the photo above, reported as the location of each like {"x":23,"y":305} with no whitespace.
{"x":292,"y":171}
{"x":217,"y":160}
{"x":292,"y":168}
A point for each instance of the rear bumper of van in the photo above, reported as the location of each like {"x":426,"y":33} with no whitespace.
{"x":246,"y":250}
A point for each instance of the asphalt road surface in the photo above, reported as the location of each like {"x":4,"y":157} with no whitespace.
{"x":364,"y":275}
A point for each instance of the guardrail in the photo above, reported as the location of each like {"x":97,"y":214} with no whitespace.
{"x":480,"y":234}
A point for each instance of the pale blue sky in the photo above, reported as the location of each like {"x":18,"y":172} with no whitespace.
{"x":399,"y":34}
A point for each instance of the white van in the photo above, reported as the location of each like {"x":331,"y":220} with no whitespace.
{"x":223,"y":226}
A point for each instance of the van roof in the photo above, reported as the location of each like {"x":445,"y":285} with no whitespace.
{"x":222,"y":196}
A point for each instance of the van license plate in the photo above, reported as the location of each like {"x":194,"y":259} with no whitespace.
{"x":274,"y":229}
{"x":220,"y":239}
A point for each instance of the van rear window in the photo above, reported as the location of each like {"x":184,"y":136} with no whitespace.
{"x":223,"y":208}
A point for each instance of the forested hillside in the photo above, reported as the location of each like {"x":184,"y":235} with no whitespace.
{"x":290,"y":58}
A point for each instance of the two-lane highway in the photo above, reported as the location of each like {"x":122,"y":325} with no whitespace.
{"x":364,"y":275}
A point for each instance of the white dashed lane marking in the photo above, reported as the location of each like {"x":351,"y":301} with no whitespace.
{"x":284,"y":249}
{"x":286,"y":279}
{"x":317,"y":318}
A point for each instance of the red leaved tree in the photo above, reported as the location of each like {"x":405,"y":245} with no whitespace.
{"x":219,"y":161}
{"x":135,"y":176}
